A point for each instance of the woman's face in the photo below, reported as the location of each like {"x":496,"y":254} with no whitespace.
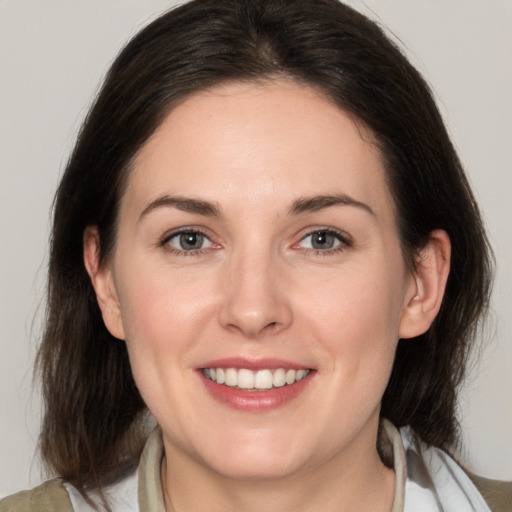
{"x":257,"y":237}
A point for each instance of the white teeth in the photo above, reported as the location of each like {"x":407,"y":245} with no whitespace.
{"x":248,"y":379}
{"x":279,"y":378}
{"x":231,"y":377}
{"x":245,"y":379}
{"x":263,"y":379}
{"x":290,"y":376}
{"x":299,"y":375}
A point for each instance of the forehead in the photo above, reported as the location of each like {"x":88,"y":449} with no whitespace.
{"x":276,"y":140}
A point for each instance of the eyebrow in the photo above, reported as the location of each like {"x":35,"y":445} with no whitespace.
{"x":316,"y":203}
{"x":186,"y":204}
{"x":210,"y":209}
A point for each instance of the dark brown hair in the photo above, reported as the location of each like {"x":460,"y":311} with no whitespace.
{"x":94,"y":416}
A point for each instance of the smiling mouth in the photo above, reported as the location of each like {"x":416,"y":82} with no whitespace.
{"x":259,"y":380}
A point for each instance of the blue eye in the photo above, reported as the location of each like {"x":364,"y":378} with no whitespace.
{"x":189,"y":241}
{"x":323,"y":240}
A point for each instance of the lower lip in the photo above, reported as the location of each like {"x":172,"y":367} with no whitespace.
{"x":256,"y":401}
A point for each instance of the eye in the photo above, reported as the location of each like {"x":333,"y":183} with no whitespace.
{"x":320,"y":240}
{"x":188,"y":241}
{"x":323,"y":240}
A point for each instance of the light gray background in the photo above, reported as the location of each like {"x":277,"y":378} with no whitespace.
{"x":53,"y":54}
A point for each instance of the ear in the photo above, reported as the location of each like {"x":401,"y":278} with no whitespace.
{"x":103,"y":283}
{"x":428,"y":283}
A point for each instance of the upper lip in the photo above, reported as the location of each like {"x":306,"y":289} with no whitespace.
{"x":254,"y":364}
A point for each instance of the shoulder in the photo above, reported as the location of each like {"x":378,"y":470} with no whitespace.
{"x":497,"y":493}
{"x":50,"y":496}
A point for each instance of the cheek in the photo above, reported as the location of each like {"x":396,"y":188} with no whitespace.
{"x":352,"y":302}
{"x":354,"y":318}
{"x":164,"y":322}
{"x":153,"y":339}
{"x":159,"y":307}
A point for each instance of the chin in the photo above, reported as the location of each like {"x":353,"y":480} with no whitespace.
{"x":257,"y":460}
{"x":256,"y":469}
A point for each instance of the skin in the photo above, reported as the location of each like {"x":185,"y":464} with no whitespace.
{"x":257,"y":289}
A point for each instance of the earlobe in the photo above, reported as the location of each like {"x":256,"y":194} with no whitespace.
{"x":103,"y":283}
{"x":428,"y":283}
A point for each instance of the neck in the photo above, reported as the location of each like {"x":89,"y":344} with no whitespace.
{"x":347,"y":482}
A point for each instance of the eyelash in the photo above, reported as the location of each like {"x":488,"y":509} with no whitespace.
{"x":344,"y":242}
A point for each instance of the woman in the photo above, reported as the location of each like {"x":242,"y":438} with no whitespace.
{"x":264,"y":238}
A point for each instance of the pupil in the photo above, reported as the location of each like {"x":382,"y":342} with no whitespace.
{"x":323,"y":240}
{"x":191,"y":240}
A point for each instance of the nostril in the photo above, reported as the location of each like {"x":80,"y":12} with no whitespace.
{"x":272,"y":326}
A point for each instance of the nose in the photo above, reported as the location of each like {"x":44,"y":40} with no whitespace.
{"x":255,"y":301}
